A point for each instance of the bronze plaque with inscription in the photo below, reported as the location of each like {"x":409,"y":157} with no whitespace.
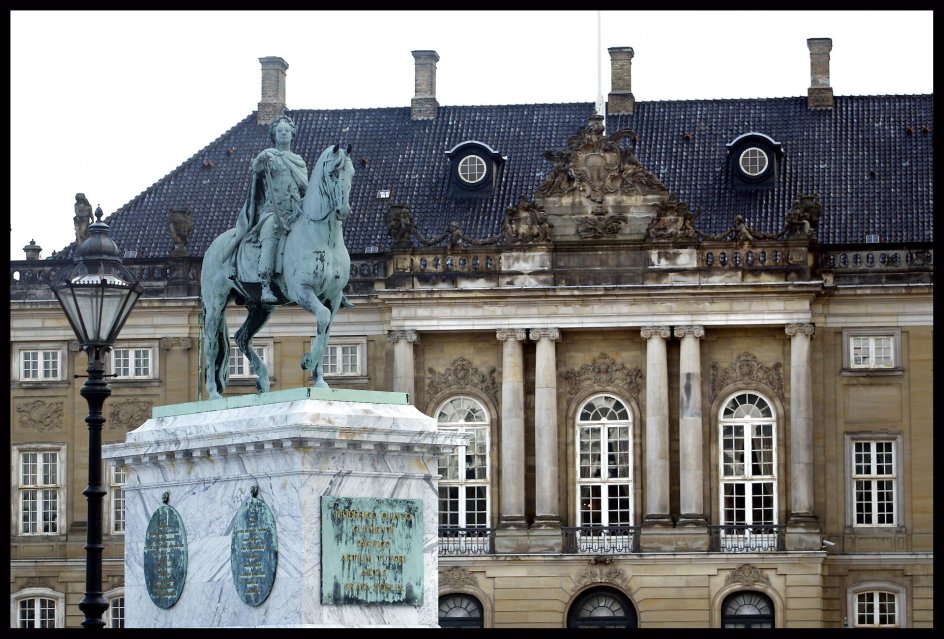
{"x":165,"y":557}
{"x":371,"y":550}
{"x":254,"y":551}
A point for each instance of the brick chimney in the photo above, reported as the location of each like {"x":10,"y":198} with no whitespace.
{"x":424,"y":105}
{"x":272,"y":104}
{"x":820,"y":94}
{"x":32,"y":250}
{"x":620,"y":99}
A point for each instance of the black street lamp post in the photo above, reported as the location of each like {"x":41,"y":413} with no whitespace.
{"x":97,"y":294}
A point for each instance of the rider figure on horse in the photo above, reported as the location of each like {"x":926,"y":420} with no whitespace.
{"x":278,"y":184}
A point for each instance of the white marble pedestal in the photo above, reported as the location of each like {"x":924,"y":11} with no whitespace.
{"x":296,"y":446}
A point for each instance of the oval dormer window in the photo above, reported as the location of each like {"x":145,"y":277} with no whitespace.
{"x":753,"y":161}
{"x":472,"y":169}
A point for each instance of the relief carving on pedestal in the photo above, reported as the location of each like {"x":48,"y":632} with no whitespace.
{"x":40,"y":415}
{"x":128,"y":414}
{"x":604,"y":371}
{"x":463,"y":374}
{"x":746,"y":368}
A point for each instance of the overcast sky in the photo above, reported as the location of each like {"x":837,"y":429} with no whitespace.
{"x":109,"y":102}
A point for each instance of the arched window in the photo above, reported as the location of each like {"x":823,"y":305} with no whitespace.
{"x":748,"y":447}
{"x":876,"y":609}
{"x":604,"y":463}
{"x":464,"y":486}
{"x":114,"y":616}
{"x":747,"y":609}
{"x":460,"y":611}
{"x":38,"y":608}
{"x":602,"y":608}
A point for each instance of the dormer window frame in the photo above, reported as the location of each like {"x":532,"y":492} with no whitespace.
{"x":461,"y":156}
{"x":745,"y":152}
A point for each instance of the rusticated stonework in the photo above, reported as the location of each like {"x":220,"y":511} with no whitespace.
{"x":604,"y":371}
{"x":457,"y":577}
{"x":40,"y":415}
{"x":746,"y":368}
{"x":463,"y":375}
{"x":128,"y":414}
{"x":604,"y":572}
{"x":595,"y":165}
{"x":747,"y":575}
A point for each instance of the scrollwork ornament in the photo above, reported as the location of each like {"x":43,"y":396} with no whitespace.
{"x":519,"y":334}
{"x":747,"y":575}
{"x":457,"y":577}
{"x":654,"y":331}
{"x":800,"y":329}
{"x":694,"y":331}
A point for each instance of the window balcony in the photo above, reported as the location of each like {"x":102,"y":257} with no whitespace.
{"x":465,"y":541}
{"x":600,"y":540}
{"x":747,"y":538}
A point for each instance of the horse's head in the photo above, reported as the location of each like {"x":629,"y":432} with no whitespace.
{"x":336,"y":171}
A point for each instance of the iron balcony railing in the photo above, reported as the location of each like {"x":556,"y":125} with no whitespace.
{"x":747,"y":537}
{"x":612,"y":540}
{"x":465,"y":541}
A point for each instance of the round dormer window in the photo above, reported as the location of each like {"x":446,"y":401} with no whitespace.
{"x":472,"y":169}
{"x":753,"y":161}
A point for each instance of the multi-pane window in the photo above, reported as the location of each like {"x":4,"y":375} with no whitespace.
{"x":604,"y":463}
{"x":116,"y":612}
{"x":872,"y":351}
{"x":342,"y":359}
{"x":464,"y":486}
{"x":748,"y":461}
{"x":39,"y":492}
{"x":876,"y":609}
{"x":38,"y":365}
{"x":460,"y":611}
{"x":472,"y":169}
{"x":36,"y":612}
{"x":132,"y":363}
{"x":117,"y":478}
{"x":747,"y":609}
{"x":239,"y":364}
{"x":873,"y":478}
{"x":753,"y":161}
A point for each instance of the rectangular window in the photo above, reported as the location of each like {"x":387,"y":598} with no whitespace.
{"x":116,"y":613}
{"x":118,"y":477}
{"x":871,"y":349}
{"x":40,"y":488}
{"x":345,"y":357}
{"x":40,"y":365}
{"x":874,"y":483}
{"x":132,"y":362}
{"x":463,"y":487}
{"x":37,"y":612}
{"x":239,"y":364}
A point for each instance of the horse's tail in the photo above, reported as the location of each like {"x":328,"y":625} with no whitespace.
{"x":222,"y":354}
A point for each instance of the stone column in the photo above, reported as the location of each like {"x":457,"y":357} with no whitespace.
{"x":404,"y":370}
{"x":691,"y":502}
{"x":657,"y":427}
{"x":547,"y":507}
{"x":801,"y":422}
{"x":512,"y":429}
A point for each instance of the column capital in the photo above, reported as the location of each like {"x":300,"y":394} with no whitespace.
{"x":552,"y":334}
{"x":694,"y":331}
{"x":519,"y":334}
{"x":654,"y":331}
{"x":800,"y":328}
{"x":408,"y":335}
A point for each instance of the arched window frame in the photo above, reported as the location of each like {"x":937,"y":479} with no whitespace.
{"x":606,"y":431}
{"x":572,"y":619}
{"x":58,"y":598}
{"x":111,"y":596}
{"x":476,"y":599}
{"x":749,"y":479}
{"x":482,"y":436}
{"x":756,"y":619}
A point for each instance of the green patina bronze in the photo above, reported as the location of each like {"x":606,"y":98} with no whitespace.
{"x":287,"y":248}
{"x":254,"y":550}
{"x":165,"y":556}
{"x":371,"y":550}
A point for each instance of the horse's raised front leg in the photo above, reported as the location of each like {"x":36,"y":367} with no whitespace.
{"x":258,"y":315}
{"x":313,"y":360}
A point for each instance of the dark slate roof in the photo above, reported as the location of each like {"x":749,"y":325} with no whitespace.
{"x":829,"y":152}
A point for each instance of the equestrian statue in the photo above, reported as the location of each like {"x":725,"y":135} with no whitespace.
{"x":287,"y":248}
